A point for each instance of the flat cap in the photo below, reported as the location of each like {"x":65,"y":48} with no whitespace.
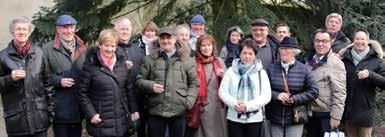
{"x":66,"y":20}
{"x":260,"y":22}
{"x":167,"y":30}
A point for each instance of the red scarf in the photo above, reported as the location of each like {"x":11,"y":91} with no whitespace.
{"x":23,"y":50}
{"x":201,"y":61}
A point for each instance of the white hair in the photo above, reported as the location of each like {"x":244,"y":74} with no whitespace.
{"x":336,"y":15}
{"x":182,"y":26}
{"x":122,"y":20}
{"x":20,"y":19}
{"x":296,"y":51}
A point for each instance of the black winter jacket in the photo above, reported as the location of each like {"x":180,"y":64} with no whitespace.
{"x":26,"y":102}
{"x":361,"y":93}
{"x":105,"y":92}
{"x":58,"y":60}
{"x":302,"y":86}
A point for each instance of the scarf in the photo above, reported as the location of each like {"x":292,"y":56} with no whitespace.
{"x":357,"y":57}
{"x":22,"y":51}
{"x":233,"y":51}
{"x":287,"y":65}
{"x":201,"y":62}
{"x":245,"y":85}
{"x":147,"y":43}
{"x":107,"y":61}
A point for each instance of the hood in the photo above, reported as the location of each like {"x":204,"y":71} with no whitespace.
{"x":257,"y":66}
{"x":182,"y":50}
{"x":375,"y":45}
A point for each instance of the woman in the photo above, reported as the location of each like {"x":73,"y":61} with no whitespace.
{"x":103,"y":89}
{"x":148,"y":36}
{"x":301,"y":90}
{"x":365,"y":71}
{"x":211,"y":111}
{"x":245,"y":89}
{"x":232,"y":48}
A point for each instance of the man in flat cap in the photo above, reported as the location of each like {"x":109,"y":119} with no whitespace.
{"x":168,"y":77}
{"x":198,"y":25}
{"x":267,"y":44}
{"x":65,"y":56}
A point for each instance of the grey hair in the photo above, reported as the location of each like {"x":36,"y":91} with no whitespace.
{"x":296,"y":51}
{"x":338,"y":16}
{"x":20,"y":19}
{"x":182,"y":26}
{"x":125,"y":19}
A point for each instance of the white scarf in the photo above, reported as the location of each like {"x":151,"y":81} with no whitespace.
{"x":357,"y":57}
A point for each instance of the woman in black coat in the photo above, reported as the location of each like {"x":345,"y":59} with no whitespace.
{"x":103,"y":92}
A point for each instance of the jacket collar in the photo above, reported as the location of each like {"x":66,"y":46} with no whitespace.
{"x":80,"y":47}
{"x":182,"y":51}
{"x":12,"y":51}
{"x":375,"y":50}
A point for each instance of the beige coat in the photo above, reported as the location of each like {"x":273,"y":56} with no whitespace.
{"x":330,"y":76}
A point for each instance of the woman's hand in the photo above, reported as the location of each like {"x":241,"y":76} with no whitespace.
{"x":135,"y":116}
{"x":96,"y":119}
{"x":158,"y":88}
{"x":240,"y":107}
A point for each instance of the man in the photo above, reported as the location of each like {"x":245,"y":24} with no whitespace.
{"x":24,"y":84}
{"x":333,"y":25}
{"x":197,"y":24}
{"x":169,"y":79}
{"x":365,"y":74}
{"x":134,"y":56}
{"x":281,"y":31}
{"x":330,"y":76}
{"x":65,"y":58}
{"x":267,"y":44}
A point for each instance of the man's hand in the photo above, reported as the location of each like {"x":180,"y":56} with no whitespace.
{"x":158,"y":88}
{"x":18,"y":74}
{"x":334,"y":123}
{"x":96,"y":119}
{"x":67,"y":82}
{"x":363,"y":74}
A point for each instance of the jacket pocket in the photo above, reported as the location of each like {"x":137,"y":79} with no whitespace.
{"x":182,"y":97}
{"x":15,"y":120}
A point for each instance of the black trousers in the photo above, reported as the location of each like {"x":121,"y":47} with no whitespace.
{"x":141,"y":125}
{"x":157,"y":126}
{"x":318,"y":124}
{"x":244,"y":129}
{"x":67,"y":130}
{"x":39,"y":134}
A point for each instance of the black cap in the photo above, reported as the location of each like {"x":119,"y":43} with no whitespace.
{"x":289,"y":42}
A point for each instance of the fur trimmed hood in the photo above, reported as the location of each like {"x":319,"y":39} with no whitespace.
{"x":182,"y":51}
{"x":377,"y":48}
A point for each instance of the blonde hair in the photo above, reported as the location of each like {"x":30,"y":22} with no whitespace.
{"x":108,"y":35}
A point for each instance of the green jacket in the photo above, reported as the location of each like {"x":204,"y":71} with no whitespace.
{"x":178,"y":76}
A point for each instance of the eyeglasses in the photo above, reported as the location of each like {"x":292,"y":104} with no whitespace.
{"x":321,"y":41}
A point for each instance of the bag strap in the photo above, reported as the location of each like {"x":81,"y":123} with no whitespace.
{"x":285,"y":82}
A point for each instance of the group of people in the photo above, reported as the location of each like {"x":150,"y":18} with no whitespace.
{"x":175,"y":82}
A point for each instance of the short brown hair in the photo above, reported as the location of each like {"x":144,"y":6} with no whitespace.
{"x":108,"y":35}
{"x":282,"y":25}
{"x":150,"y":26}
{"x":212,"y":40}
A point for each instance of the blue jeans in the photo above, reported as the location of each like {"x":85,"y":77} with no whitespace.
{"x":157,"y":126}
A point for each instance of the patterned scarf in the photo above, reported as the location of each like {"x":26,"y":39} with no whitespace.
{"x":201,"y":61}
{"x":357,"y":57}
{"x":22,"y":50}
{"x":245,"y":85}
{"x":232,"y":52}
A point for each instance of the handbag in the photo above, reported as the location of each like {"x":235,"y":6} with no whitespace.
{"x":300,"y":113}
{"x":266,"y":125}
{"x":337,"y":133}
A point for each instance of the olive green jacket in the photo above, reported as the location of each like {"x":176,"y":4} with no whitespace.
{"x":178,"y":76}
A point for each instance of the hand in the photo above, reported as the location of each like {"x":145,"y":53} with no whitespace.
{"x":135,"y":116}
{"x":283,"y":97}
{"x":18,"y":74}
{"x":67,"y":82}
{"x":288,"y":102}
{"x":158,"y":88}
{"x":220,"y":72}
{"x":363,"y":74}
{"x":96,"y":119}
{"x":334,"y":123}
{"x":240,"y":107}
{"x":129,"y":63}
